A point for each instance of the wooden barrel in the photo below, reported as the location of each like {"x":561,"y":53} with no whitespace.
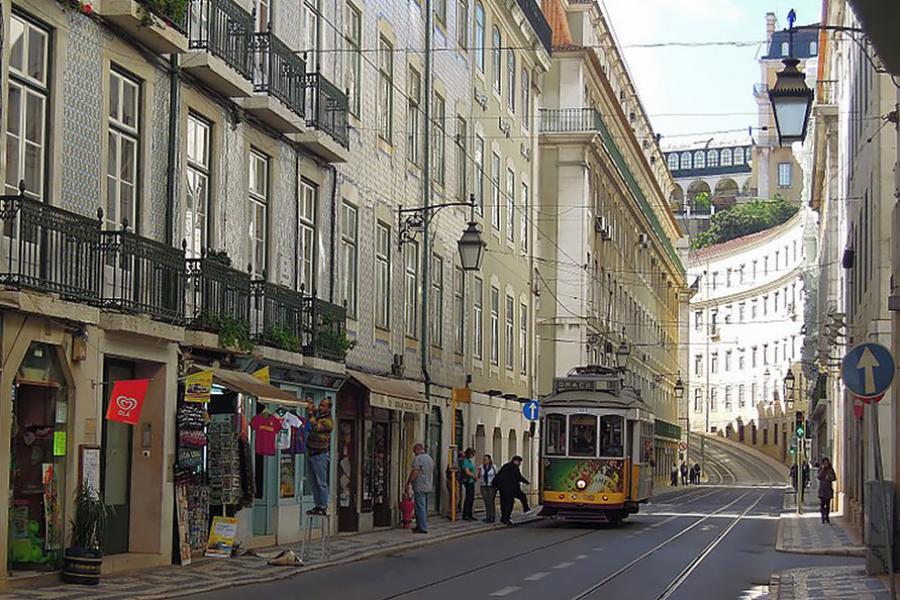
{"x":81,"y":566}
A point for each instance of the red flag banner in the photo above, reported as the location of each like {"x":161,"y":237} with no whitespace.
{"x":126,"y":400}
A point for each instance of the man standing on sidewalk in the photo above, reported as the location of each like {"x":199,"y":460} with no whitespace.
{"x":507,"y":482}
{"x":421,"y":478}
{"x":318,"y":446}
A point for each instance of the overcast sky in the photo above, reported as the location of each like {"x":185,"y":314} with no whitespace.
{"x":690,"y":90}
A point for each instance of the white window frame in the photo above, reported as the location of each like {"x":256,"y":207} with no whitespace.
{"x":526,"y":98}
{"x":785,"y":174}
{"x":479,"y":174}
{"x":350,"y":256}
{"x":385,"y":91}
{"x":511,"y":80}
{"x":123,"y":135}
{"x":479,"y":35}
{"x":462,"y":23}
{"x":413,"y":101}
{"x":411,"y":288}
{"x":459,"y":308}
{"x":495,"y":326}
{"x":197,"y":188}
{"x":439,"y":115}
{"x":523,"y":220}
{"x":382,"y":275}
{"x":307,"y":205}
{"x":510,"y":205}
{"x":495,"y":190}
{"x":437,"y":301}
{"x":354,"y":58}
{"x":497,"y":43}
{"x":460,"y":145}
{"x":478,"y":318}
{"x":523,"y":338}
{"x":258,"y":196}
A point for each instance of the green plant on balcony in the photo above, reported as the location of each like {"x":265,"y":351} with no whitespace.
{"x":219,"y":256}
{"x":332,"y":342}
{"x":233,"y":333}
{"x":280,"y":337}
{"x":170,"y":11}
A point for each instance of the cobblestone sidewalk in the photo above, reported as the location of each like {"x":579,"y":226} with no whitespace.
{"x":804,"y":533}
{"x":207,"y":574}
{"x":827,"y":583}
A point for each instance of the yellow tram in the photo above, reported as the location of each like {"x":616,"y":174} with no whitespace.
{"x":596,"y":448}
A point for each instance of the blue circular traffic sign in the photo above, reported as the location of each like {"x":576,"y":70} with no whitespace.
{"x":532,"y":410}
{"x":867,"y":370}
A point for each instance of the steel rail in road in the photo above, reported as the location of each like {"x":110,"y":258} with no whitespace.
{"x":622,"y":570}
{"x":766,"y":472}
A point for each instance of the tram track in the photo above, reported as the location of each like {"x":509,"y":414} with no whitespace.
{"x":685,"y":573}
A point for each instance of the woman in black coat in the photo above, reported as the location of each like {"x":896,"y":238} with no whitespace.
{"x":826,"y":478}
{"x":507,"y":483}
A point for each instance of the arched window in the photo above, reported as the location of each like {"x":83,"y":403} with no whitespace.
{"x":712,"y":158}
{"x":479,"y":36}
{"x":672,"y":161}
{"x":738,"y":156}
{"x":699,"y":163}
{"x":813,"y":48}
{"x":686,"y":160}
{"x":726,"y":157}
{"x":784,"y":49}
{"x":495,"y":59}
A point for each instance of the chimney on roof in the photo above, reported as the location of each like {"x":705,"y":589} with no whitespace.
{"x":771,"y":21}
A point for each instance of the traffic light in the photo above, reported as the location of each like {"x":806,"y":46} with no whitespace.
{"x":798,"y":424}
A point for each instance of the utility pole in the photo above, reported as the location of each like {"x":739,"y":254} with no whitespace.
{"x":708,"y":384}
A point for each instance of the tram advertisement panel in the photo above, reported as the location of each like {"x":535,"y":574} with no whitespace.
{"x":601,"y":476}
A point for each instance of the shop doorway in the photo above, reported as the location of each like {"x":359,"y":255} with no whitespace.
{"x":37,"y":466}
{"x":115,"y":465}
{"x":381,"y":469}
{"x":348,"y":515}
{"x":435,"y":450}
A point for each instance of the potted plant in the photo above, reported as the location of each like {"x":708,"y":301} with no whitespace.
{"x":83,"y":558}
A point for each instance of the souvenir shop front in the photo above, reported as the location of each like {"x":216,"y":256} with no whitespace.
{"x":378,"y":420}
{"x":230,"y":452}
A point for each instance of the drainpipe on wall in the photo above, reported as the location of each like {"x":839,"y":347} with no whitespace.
{"x":172,"y":149}
{"x":426,"y":202}
{"x":334,"y":187}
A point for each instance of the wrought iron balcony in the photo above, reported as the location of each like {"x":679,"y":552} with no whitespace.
{"x":173,"y":13}
{"x":218,"y":296}
{"x":327,"y":108}
{"x":278,"y":71}
{"x":224,"y":29}
{"x":48,"y":249}
{"x":329,"y":330}
{"x":141,"y":275}
{"x":538,"y":22}
{"x":280,"y":316}
{"x":570,"y":120}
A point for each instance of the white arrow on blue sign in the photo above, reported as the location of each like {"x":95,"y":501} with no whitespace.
{"x":867,"y":370}
{"x":531,"y":410}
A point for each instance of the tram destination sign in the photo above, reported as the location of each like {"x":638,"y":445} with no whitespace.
{"x":581,"y":384}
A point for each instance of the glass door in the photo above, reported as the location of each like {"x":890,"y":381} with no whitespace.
{"x":116,"y":464}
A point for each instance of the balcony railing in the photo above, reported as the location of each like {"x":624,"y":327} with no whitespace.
{"x":329,"y":330}
{"x":327,"y":108}
{"x":280,"y":316}
{"x":218,"y":296}
{"x":569,"y":120}
{"x":141,"y":275}
{"x":47,"y":249}
{"x":538,"y":22}
{"x":278,"y":71}
{"x":224,"y":29}
{"x":826,"y":92}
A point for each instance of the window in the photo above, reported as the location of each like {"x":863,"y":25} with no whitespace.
{"x":765,"y":266}
{"x":753,"y":392}
{"x":698,"y":320}
{"x":306,"y":229}
{"x":672,"y":161}
{"x":765,"y":354}
{"x":511,"y":79}
{"x":742,"y":361}
{"x":713,"y":399}
{"x":263,"y":14}
{"x":611,"y":436}
{"x":753,"y":357}
{"x":382,"y":275}
{"x":354,"y":57}
{"x":738,"y":156}
{"x":479,"y":36}
{"x":765,"y":305}
{"x":526,"y":98}
{"x":411,"y":290}
{"x":479,"y":174}
{"x":698,"y":400}
{"x":510,"y":333}
{"x":775,"y":301}
{"x":741,"y":311}
{"x":698,"y":365}
{"x":582,"y":435}
{"x":459,"y":307}
{"x":778,"y":262}
{"x":495,"y":191}
{"x":495,"y":58}
{"x":438,"y":139}
{"x":414,"y":98}
{"x":122,"y":137}
{"x":523,"y":222}
{"x":523,"y":339}
{"x":556,"y":435}
{"x":753,"y":310}
{"x":714,"y":362}
{"x":785,"y":49}
{"x":686,"y":160}
{"x":741,"y":274}
{"x":196,"y":210}
{"x":727,"y":397}
{"x":726,"y":157}
{"x":311,"y":23}
{"x":26,"y":118}
{"x":741,"y":401}
{"x":728,"y":277}
{"x":813,"y":48}
{"x":784,"y":175}
{"x":385,"y":98}
{"x":712,"y":158}
{"x":478,"y":319}
{"x":699,"y":161}
{"x":460,"y":146}
{"x":437,"y":301}
{"x":259,"y":211}
{"x":440,"y":11}
{"x":753,"y":278}
{"x":495,"y":326}
{"x":510,"y":205}
{"x":350,"y":254}
{"x":728,"y":360}
{"x":462,"y":23}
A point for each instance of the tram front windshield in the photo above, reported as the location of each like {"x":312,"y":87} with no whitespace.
{"x":585,"y":435}
{"x":611,"y":436}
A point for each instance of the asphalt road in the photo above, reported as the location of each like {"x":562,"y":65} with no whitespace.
{"x":704,"y":542}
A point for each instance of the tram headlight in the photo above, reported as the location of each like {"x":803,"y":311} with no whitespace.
{"x":581,"y":484}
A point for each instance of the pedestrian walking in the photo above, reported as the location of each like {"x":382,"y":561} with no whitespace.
{"x":318,"y":450}
{"x":684,"y":473}
{"x":826,"y":477}
{"x":805,"y":475}
{"x":421,"y":478}
{"x":697,"y":473}
{"x":467,"y":476}
{"x":486,"y":474}
{"x":794,"y":476}
{"x":507,"y":483}
{"x":673,"y":477}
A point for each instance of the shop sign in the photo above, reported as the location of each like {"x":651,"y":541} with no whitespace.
{"x":126,"y":400}
{"x":263,"y":375}
{"x":221,"y":537}
{"x":394,"y":403}
{"x":198,"y":386}
{"x":89,"y":463}
{"x":59,"y":443}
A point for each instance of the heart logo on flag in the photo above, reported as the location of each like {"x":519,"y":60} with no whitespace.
{"x":126,"y":400}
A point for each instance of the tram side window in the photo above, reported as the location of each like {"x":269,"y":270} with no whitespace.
{"x":583,"y":435}
{"x":556,"y":435}
{"x":611,"y":436}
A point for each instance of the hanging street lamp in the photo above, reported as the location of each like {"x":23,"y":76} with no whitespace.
{"x":791,"y":98}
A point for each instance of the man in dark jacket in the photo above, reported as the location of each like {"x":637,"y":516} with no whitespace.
{"x":507,"y":483}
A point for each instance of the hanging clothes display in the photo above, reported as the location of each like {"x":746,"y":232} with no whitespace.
{"x":289,"y":422}
{"x":266,"y":427}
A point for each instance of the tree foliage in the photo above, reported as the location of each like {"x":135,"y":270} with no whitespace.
{"x":744,"y":219}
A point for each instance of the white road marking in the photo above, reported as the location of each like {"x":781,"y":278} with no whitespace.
{"x":563,"y":565}
{"x":537,"y":576}
{"x":581,"y":557}
{"x":506,"y":591}
{"x":599,"y":549}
